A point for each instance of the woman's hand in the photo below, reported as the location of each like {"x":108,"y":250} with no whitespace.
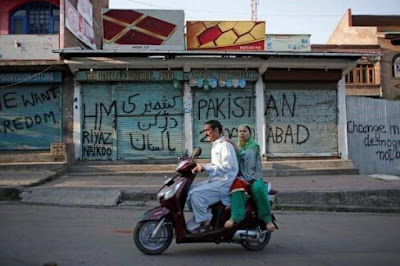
{"x":237,"y":149}
{"x":228,"y":140}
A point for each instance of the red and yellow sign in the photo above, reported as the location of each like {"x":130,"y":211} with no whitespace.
{"x":225,"y":35}
{"x":143,"y":29}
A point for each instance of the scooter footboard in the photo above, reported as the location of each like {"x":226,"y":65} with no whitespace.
{"x":154,"y":214}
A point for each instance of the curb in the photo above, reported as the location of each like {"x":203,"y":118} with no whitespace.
{"x":49,"y":178}
{"x":15,"y":192}
{"x":11,"y":193}
{"x":379,"y":200}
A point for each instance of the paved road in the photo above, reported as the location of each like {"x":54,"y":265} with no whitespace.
{"x":34,"y":235}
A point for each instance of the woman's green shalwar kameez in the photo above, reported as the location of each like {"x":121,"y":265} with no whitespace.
{"x":251,"y":170}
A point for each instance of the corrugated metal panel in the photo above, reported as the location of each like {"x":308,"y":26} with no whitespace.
{"x":302,"y":121}
{"x":98,"y":116}
{"x":150,"y":121}
{"x":373,"y":132}
{"x":30,"y":117}
{"x":230,"y":106}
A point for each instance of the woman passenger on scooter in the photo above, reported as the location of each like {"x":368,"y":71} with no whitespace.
{"x":250,"y":169}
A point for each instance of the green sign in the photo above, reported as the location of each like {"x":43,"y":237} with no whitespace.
{"x":129,"y":75}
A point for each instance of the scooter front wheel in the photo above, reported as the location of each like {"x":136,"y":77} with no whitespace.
{"x":148,"y":244}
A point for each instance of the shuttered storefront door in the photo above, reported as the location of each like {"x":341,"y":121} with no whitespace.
{"x":301,"y":119}
{"x":150,"y":121}
{"x":30,"y":117}
{"x":230,"y":106}
{"x":97,"y":118}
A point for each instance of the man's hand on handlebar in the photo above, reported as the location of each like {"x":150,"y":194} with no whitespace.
{"x":199,"y":168}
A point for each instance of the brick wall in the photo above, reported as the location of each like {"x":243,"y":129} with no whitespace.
{"x":344,"y":34}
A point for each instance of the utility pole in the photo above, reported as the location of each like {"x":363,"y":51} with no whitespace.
{"x":254,"y":5}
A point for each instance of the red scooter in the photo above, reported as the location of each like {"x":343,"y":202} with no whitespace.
{"x":154,"y":231}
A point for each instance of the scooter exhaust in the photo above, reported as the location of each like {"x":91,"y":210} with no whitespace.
{"x":248,"y":235}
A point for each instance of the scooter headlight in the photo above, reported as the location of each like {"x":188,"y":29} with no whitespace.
{"x":170,"y":191}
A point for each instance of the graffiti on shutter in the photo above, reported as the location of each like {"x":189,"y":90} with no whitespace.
{"x":230,"y":106}
{"x":98,"y":122}
{"x":301,"y":122}
{"x":30,"y":117}
{"x":150,"y":121}
{"x":131,"y":121}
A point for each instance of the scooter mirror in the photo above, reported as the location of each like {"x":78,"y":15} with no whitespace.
{"x":196,"y":152}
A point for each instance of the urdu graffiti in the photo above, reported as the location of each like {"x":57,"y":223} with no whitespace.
{"x":138,"y":123}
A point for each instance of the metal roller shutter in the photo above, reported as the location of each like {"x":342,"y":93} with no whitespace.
{"x":150,"y":121}
{"x":301,"y":120}
{"x":230,"y":106}
{"x":30,"y":117}
{"x":132,"y":121}
{"x":98,"y":115}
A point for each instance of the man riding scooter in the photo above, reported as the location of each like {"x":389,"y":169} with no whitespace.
{"x":222,"y":171}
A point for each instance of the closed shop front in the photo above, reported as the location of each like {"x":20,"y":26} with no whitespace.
{"x":301,"y":116}
{"x":226,"y":96}
{"x":137,"y":119}
{"x":30,"y":110}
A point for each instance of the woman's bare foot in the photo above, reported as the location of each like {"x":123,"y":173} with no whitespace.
{"x":229,"y":224}
{"x":271,"y":227}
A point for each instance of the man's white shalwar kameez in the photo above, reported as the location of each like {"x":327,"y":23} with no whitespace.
{"x":222,"y":171}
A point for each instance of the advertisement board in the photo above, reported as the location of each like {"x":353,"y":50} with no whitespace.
{"x":286,"y":42}
{"x":143,"y":29}
{"x":78,"y":25}
{"x":225,"y":35}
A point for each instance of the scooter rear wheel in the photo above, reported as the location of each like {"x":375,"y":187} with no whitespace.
{"x":148,"y":244}
{"x":258,"y":245}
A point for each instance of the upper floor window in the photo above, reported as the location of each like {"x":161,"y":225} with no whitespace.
{"x":362,"y":74}
{"x":396,"y":67}
{"x":35,"y":18}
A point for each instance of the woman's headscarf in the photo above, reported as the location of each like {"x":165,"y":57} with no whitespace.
{"x":250,"y":144}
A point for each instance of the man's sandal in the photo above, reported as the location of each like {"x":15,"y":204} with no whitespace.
{"x":201,"y":229}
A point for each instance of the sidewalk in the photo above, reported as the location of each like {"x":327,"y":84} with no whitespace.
{"x":324,"y":192}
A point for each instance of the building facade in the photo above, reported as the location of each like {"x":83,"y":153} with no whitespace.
{"x":36,"y":89}
{"x":61,"y":87}
{"x":383,"y":31}
{"x":153,"y":105}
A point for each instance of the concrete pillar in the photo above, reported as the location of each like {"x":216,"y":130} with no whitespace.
{"x":76,"y":135}
{"x":260,"y":118}
{"x":187,"y":116}
{"x":342,"y":119}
